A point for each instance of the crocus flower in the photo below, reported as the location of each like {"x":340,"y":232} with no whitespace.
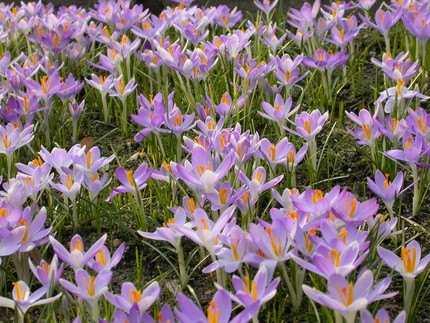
{"x":275,"y":154}
{"x":206,"y":231}
{"x":326,"y":60}
{"x":14,"y":138}
{"x":257,"y":184}
{"x":348,"y":209}
{"x":91,"y":161}
{"x":95,"y":184}
{"x":348,"y":298}
{"x":287,"y":70}
{"x":384,"y":20}
{"x":279,"y":111}
{"x":382,"y":316}
{"x":258,"y":289}
{"x":165,"y":315}
{"x":383,"y":225}
{"x":103,"y":261}
{"x":219,"y":310}
{"x":89,"y":288}
{"x":167,"y":232}
{"x":411,"y":152}
{"x":47,"y":273}
{"x":35,"y":231}
{"x":384,"y":188}
{"x":122,"y":91}
{"x":69,"y":186}
{"x":226,"y":18}
{"x":366,"y":4}
{"x":329,"y":261}
{"x":266,"y":6}
{"x":10,"y":241}
{"x":23,"y":299}
{"x":309,"y":125}
{"x":77,"y":257}
{"x":304,"y":18}
{"x":410,"y":264}
{"x":130,"y":295}
{"x":200,"y":175}
{"x":131,"y":181}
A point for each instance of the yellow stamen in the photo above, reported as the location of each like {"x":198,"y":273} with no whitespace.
{"x":409,"y":262}
{"x":101,"y":257}
{"x":90,"y":287}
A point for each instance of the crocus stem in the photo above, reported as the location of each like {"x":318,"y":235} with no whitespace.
{"x":75,"y":130}
{"x":409,"y":294}
{"x":9,"y":164}
{"x":105,"y":108}
{"x":124,"y":118}
{"x":75,"y":215}
{"x":20,"y":316}
{"x":291,"y":291}
{"x":181,"y":261}
{"x":160,"y":143}
{"x":415,"y":199}
{"x":178,"y":149}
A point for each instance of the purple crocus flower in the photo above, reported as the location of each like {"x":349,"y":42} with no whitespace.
{"x":69,"y":186}
{"x":130,"y":295}
{"x":35,"y":230}
{"x":10,"y":241}
{"x":46,"y":89}
{"x":384,"y":20}
{"x":89,"y":288}
{"x":279,"y":111}
{"x":287,"y":70}
{"x":382,"y":316}
{"x":250,"y":291}
{"x":349,"y":210}
{"x":383,"y":225}
{"x":77,"y":257}
{"x":219,"y":310}
{"x":315,"y":202}
{"x":330,"y":261}
{"x":392,"y":128}
{"x":95,"y":184}
{"x":348,"y":298}
{"x":47,"y":273}
{"x":257,"y":184}
{"x":226,"y":18}
{"x":366,"y":4}
{"x":386,"y":189}
{"x":266,"y":6}
{"x":165,"y":315}
{"x":417,"y":23}
{"x":90,"y":162}
{"x":14,"y":138}
{"x":309,"y":125}
{"x":23,"y":299}
{"x":410,"y":264}
{"x":275,"y":154}
{"x":326,"y":60}
{"x":200,"y":175}
{"x":206,"y":231}
{"x":412,"y":149}
{"x":304,"y":19}
{"x":131,"y":181}
{"x":231,"y":255}
{"x":103,"y":261}
{"x":167,"y":232}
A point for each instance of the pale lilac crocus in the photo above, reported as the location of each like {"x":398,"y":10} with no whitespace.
{"x":383,"y":226}
{"x":23,"y":299}
{"x":131,"y":181}
{"x":104,"y":261}
{"x":348,"y":298}
{"x":258,"y":289}
{"x":89,"y":288}
{"x":68,"y":185}
{"x":280,"y":111}
{"x":382,"y":316}
{"x":257,"y":184}
{"x":91,"y":161}
{"x":130,"y":295}
{"x":47,"y":274}
{"x":219,"y":310}
{"x":385,"y":189}
{"x":410,"y":264}
{"x":329,"y":261}
{"x":200,"y":175}
{"x":350,"y":210}
{"x":77,"y":257}
{"x":10,"y":241}
{"x":267,"y":6}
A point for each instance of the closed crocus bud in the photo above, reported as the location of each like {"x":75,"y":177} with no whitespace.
{"x":75,"y":109}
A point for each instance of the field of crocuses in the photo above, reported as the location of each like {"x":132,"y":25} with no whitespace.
{"x":206,"y":165}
